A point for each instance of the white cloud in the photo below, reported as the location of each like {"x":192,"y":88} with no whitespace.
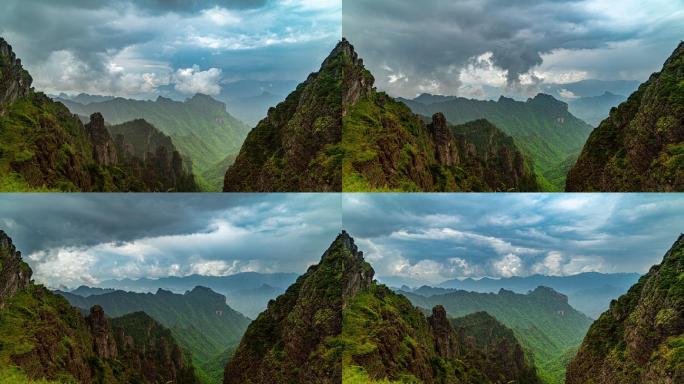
{"x":193,"y":80}
{"x":509,"y":265}
{"x":499,"y":245}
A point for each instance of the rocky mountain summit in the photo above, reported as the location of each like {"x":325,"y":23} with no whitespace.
{"x":640,"y":146}
{"x":44,"y":338}
{"x":15,"y":274}
{"x":640,"y":339}
{"x":15,"y":82}
{"x":293,"y":148}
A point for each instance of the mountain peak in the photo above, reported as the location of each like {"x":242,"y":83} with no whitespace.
{"x":15,"y":82}
{"x":15,"y":274}
{"x":357,"y":82}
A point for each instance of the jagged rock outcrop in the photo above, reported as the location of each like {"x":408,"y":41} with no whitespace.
{"x":445,"y":338}
{"x":15,"y":275}
{"x":640,"y":146}
{"x":293,"y":148}
{"x":103,"y":339}
{"x":445,"y":143}
{"x":44,"y":338}
{"x":640,"y":339}
{"x":104,"y":149}
{"x":15,"y":82}
{"x":357,"y":83}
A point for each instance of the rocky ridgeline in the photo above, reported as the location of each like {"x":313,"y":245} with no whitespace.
{"x":104,"y":149}
{"x":15,"y":82}
{"x":15,"y":275}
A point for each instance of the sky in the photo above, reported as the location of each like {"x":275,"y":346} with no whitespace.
{"x":69,"y":240}
{"x":463,"y":47}
{"x":430,"y":238}
{"x":141,"y":48}
{"x":75,"y":239}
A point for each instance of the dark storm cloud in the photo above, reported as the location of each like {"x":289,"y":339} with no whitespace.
{"x":75,"y":239}
{"x":434,"y":238}
{"x":415,"y":46}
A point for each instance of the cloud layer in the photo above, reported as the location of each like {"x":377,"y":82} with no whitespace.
{"x":432,"y":238}
{"x":83,"y":239}
{"x":132,"y":48}
{"x":457,"y":47}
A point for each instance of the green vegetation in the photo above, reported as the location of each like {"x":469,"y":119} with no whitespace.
{"x":542,"y":128}
{"x":293,"y":149}
{"x":542,"y":320}
{"x":200,"y":321}
{"x":201,"y":128}
{"x":641,"y":337}
{"x":639,"y":147}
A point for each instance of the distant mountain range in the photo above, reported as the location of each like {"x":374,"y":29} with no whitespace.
{"x":200,"y":320}
{"x":589,"y":292}
{"x":248,"y":293}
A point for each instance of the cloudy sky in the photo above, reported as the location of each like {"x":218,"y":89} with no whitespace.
{"x":84,"y":239}
{"x":430,"y":238}
{"x":135,"y":48}
{"x":465,"y":46}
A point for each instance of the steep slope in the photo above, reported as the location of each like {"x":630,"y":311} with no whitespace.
{"x":542,"y":127}
{"x":336,"y":324}
{"x":200,"y":319}
{"x":640,"y":339}
{"x":387,"y":147}
{"x":293,"y":148}
{"x":542,"y":320}
{"x":45,"y":147}
{"x":44,"y":338}
{"x":200,"y":127}
{"x":640,"y":146}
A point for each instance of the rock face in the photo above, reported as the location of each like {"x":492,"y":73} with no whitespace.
{"x":104,"y":150}
{"x":445,"y":143}
{"x":640,"y":339}
{"x":44,"y":338}
{"x":15,"y":82}
{"x":640,"y":146}
{"x":292,"y":149}
{"x":357,"y":82}
{"x":103,"y":339}
{"x":15,"y":275}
